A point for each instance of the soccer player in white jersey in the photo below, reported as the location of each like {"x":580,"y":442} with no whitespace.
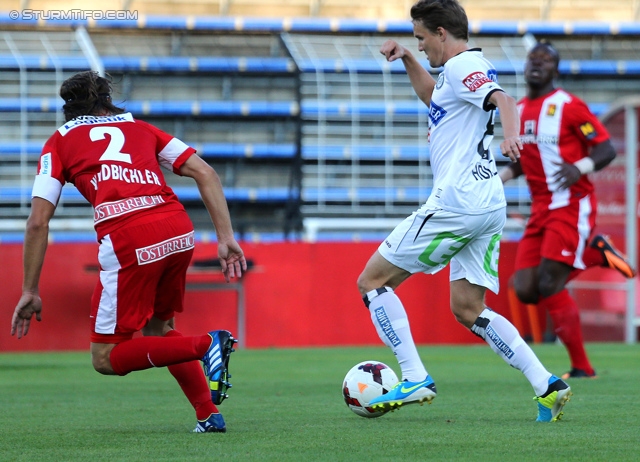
{"x":461,"y":223}
{"x":563,"y":143}
{"x":146,"y":242}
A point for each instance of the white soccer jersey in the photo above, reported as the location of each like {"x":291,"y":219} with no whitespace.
{"x":465,"y":177}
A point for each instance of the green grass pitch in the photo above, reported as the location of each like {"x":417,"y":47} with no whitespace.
{"x":286,"y":405}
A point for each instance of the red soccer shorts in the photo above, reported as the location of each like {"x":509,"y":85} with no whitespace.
{"x":560,"y":235}
{"x":143,"y":268}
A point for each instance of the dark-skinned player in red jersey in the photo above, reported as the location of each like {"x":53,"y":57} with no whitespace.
{"x":563,"y":142}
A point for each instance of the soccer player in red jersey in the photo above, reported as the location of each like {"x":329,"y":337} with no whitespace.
{"x":563,"y":142}
{"x":146,"y":242}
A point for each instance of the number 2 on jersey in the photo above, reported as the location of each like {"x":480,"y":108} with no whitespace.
{"x":115,"y":143}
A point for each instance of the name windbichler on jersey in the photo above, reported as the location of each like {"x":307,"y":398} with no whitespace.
{"x":95,"y":153}
{"x":126,"y":174}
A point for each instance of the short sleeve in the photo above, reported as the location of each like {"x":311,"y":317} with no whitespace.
{"x":50,"y":178}
{"x":172,"y":153}
{"x":584,"y":123}
{"x":473,"y":80}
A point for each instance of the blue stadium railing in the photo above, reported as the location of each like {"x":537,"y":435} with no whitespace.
{"x":372,"y":195}
{"x":263,"y":66}
{"x":70,"y":195}
{"x":33,"y":149}
{"x":169,"y":108}
{"x":13,"y":149}
{"x":249,"y":65}
{"x":310,"y":109}
{"x":323,"y":25}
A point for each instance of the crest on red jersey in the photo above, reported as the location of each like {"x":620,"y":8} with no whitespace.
{"x":588,"y":130}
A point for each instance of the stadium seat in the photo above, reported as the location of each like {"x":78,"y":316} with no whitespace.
{"x":71,"y":195}
{"x":357,"y":116}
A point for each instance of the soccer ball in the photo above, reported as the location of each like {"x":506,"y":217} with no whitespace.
{"x":365,"y":381}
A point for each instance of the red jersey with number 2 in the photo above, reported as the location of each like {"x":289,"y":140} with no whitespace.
{"x":556,"y":128}
{"x":114,"y":161}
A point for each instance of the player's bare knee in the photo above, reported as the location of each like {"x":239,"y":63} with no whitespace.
{"x":525,"y":284}
{"x":102,"y":365}
{"x":459,"y":317}
{"x":548,"y":287}
{"x":526,"y":295}
{"x":101,"y":358}
{"x":465,"y":314}
{"x":363,"y":285}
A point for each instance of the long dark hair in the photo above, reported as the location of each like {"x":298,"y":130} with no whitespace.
{"x":447,"y":14}
{"x":86,"y":93}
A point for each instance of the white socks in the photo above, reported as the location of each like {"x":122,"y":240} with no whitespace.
{"x":504,"y":339}
{"x":391,"y":322}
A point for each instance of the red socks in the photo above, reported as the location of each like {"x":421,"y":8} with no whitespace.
{"x":181,"y":355}
{"x":145,"y":352}
{"x":566,"y":319}
{"x":194,"y":384}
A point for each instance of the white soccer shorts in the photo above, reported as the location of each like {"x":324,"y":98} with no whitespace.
{"x":431,"y":238}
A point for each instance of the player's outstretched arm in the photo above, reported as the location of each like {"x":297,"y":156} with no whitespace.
{"x":231,"y":257}
{"x":422,"y":82}
{"x":36,"y":238}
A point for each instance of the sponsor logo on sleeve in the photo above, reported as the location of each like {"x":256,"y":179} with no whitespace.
{"x":45,"y":164}
{"x":588,"y":131}
{"x":475,"y":80}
